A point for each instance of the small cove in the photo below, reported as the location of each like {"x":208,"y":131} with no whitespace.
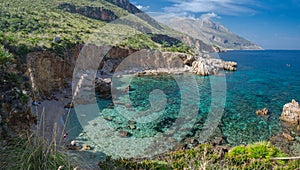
{"x":264,"y":79}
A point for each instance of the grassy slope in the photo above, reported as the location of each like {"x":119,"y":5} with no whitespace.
{"x":29,"y":25}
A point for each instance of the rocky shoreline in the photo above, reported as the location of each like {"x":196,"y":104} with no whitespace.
{"x":156,"y":63}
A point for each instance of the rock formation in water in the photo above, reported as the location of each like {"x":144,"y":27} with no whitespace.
{"x":289,"y":139}
{"x":262,"y":112}
{"x":291,"y":113}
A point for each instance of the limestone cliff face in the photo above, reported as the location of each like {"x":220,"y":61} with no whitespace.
{"x":125,"y":4}
{"x":120,"y":59}
{"x":49,"y":72}
{"x":90,"y":12}
{"x":130,"y":60}
{"x":198,"y":44}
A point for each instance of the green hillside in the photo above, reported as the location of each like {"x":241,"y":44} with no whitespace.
{"x":30,"y":25}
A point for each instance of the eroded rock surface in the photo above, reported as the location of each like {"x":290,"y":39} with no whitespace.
{"x":291,"y":113}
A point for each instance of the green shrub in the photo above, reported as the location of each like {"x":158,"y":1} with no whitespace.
{"x":238,"y":154}
{"x":24,"y":98}
{"x":5,"y":56}
{"x":260,"y":150}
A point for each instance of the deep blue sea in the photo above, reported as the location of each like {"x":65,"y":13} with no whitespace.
{"x":264,"y":79}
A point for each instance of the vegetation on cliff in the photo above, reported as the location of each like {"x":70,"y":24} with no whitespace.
{"x":55,"y":25}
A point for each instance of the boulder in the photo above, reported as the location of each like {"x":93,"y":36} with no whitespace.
{"x":56,"y":39}
{"x":103,"y":88}
{"x":291,"y":113}
{"x":262,"y":112}
{"x":288,"y":136}
{"x":229,"y":65}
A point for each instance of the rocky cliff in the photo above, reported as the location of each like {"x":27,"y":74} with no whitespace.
{"x":99,"y":13}
{"x":125,"y":4}
{"x":49,"y":72}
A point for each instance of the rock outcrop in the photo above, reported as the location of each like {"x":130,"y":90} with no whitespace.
{"x":151,"y":62}
{"x":49,"y":72}
{"x":99,"y":13}
{"x":289,"y":139}
{"x":103,"y":87}
{"x":291,"y":113}
{"x":15,"y":115}
{"x":211,"y":66}
{"x":125,"y":4}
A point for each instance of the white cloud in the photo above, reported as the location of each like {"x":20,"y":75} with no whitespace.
{"x":143,"y":8}
{"x":209,"y":16}
{"x":227,"y":7}
{"x":166,"y":17}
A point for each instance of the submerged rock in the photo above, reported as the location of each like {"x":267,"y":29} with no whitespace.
{"x":291,"y":113}
{"x":86,"y":147}
{"x":132,"y":127}
{"x":262,"y":112}
{"x":124,"y":134}
{"x":108,"y":118}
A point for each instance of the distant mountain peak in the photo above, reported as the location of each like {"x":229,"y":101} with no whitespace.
{"x":211,"y":32}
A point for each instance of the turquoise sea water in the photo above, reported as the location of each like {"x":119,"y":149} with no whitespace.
{"x":264,"y":79}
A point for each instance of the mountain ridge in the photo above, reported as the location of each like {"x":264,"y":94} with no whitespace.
{"x":211,"y":33}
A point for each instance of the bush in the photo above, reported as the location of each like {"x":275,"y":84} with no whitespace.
{"x":5,"y":56}
{"x":261,"y":150}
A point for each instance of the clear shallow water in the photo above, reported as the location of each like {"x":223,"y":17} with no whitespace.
{"x":264,"y":79}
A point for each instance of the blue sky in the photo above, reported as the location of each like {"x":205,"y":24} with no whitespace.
{"x":273,"y":24}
